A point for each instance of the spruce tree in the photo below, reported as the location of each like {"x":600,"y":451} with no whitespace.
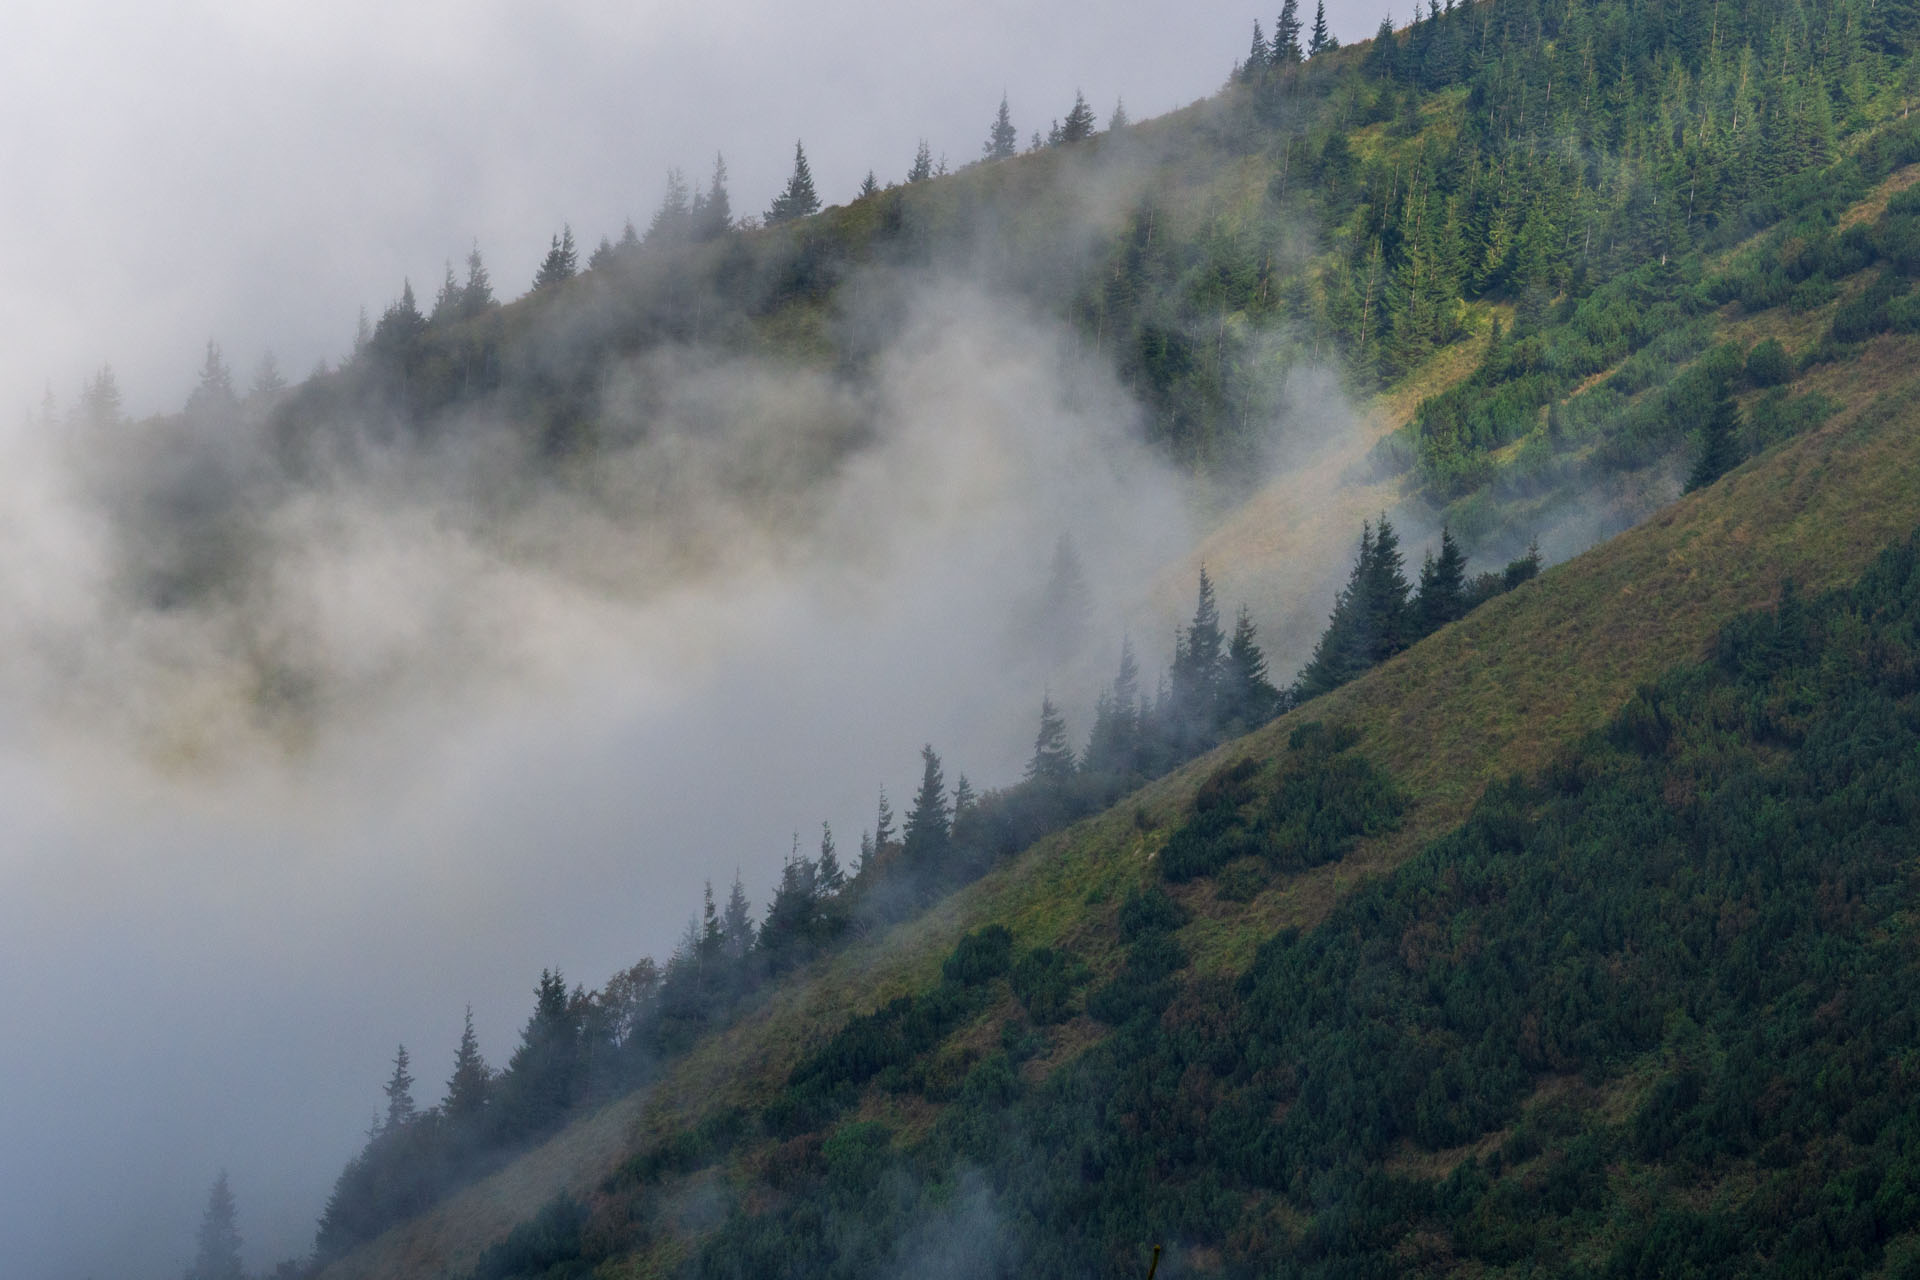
{"x":1321,"y":39}
{"x":1002,"y":139}
{"x":1345,"y":648}
{"x":602,"y":256}
{"x":799,"y":200}
{"x":476,"y":296}
{"x":869,"y":185}
{"x":471,"y":1083}
{"x":832,"y":878}
{"x":399,"y":1091}
{"x":1719,"y":441}
{"x":1195,"y":677}
{"x":922,"y":163}
{"x":447,"y":303}
{"x":1286,"y":35}
{"x":1442,"y":594}
{"x":1052,"y":760}
{"x":672,"y":220}
{"x":217,"y":1245}
{"x":1119,"y":119}
{"x":1388,"y":620}
{"x":712,"y":214}
{"x":1113,"y":746}
{"x":562,"y":262}
{"x":1256,"y":64}
{"x":923,"y":839}
{"x":1248,"y":698}
{"x":882,"y":826}
{"x":1078,"y":126}
{"x":737,"y":924}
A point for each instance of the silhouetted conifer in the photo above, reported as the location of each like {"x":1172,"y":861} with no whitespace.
{"x":1002,"y":139}
{"x":1052,"y":760}
{"x":799,"y":200}
{"x":562,"y":262}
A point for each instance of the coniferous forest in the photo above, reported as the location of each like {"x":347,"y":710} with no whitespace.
{"x":1287,"y":998}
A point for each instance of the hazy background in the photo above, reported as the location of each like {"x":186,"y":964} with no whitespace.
{"x":208,"y":959}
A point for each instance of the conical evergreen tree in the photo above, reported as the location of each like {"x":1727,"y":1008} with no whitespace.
{"x":1119,"y":119}
{"x":477,"y":295}
{"x":1442,"y":595}
{"x":922,"y":163}
{"x":736,"y":924}
{"x":1052,"y":760}
{"x":923,"y":839}
{"x":1345,"y":648}
{"x":1114,"y":744}
{"x":399,"y":1091}
{"x":1719,"y":441}
{"x":1321,"y":38}
{"x":799,"y":200}
{"x":562,"y":262}
{"x":1195,"y":676}
{"x":1002,"y":139}
{"x":217,"y":1245}
{"x":832,"y":878}
{"x":1247,"y":697}
{"x":673,"y":219}
{"x":712,"y":215}
{"x":1286,"y":35}
{"x":1386,"y":595}
{"x":1078,"y":126}
{"x":1256,"y":64}
{"x":447,"y":303}
{"x":471,"y":1084}
{"x":869,"y":185}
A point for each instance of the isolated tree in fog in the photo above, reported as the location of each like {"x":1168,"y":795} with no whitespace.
{"x":1119,"y":119}
{"x":562,"y":261}
{"x":217,"y":1252}
{"x":1078,"y":126}
{"x":922,"y":163}
{"x":399,"y":1091}
{"x":799,"y":199}
{"x":1002,"y":138}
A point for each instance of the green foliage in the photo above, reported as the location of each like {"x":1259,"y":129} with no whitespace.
{"x":545,"y":1248}
{"x":1045,"y":980}
{"x":981,"y":956}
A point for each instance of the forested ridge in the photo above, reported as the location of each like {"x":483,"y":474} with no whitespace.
{"x":1638,"y":1015}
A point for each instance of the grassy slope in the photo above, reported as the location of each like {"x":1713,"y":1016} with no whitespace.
{"x":1495,"y":694}
{"x":1492,"y":695}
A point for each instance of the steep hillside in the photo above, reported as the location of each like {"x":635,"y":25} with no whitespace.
{"x":1498,"y":693}
{"x":1563,"y":310}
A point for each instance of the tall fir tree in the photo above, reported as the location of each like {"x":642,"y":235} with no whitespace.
{"x":471,"y":1084}
{"x":1079,"y":125}
{"x":737,"y":923}
{"x":562,"y":262}
{"x":1442,"y":594}
{"x":923,"y":837}
{"x":217,"y":1244}
{"x":1719,"y":440}
{"x":1257,"y":56}
{"x":399,"y":1091}
{"x":832,"y":877}
{"x":869,"y":185}
{"x":1321,"y":39}
{"x":1002,"y":138}
{"x":1113,"y":746}
{"x":447,"y":303}
{"x":476,"y":296}
{"x":712,"y":214}
{"x":1247,"y":697}
{"x":1286,"y":35}
{"x":799,"y":200}
{"x":673,"y":219}
{"x":1052,"y":761}
{"x":922,"y":163}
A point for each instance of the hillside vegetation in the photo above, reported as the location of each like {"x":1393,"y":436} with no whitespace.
{"x":1458,"y":967}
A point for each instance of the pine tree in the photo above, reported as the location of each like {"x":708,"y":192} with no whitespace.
{"x":869,"y":185}
{"x":1119,"y":119}
{"x":476,"y":297}
{"x":629,"y":238}
{"x":832,"y":878}
{"x":923,"y":839}
{"x":399,"y":1091}
{"x":213,"y":399}
{"x":1286,"y":35}
{"x":882,"y":826}
{"x":922,"y":163}
{"x":1441,"y":597}
{"x":1382,"y":60}
{"x":712,"y":215}
{"x":964,"y":800}
{"x":446,"y":303}
{"x":1052,"y":760}
{"x":1321,"y":39}
{"x":799,"y":200}
{"x":1078,"y":126}
{"x":1386,"y":594}
{"x":672,"y":220}
{"x":562,"y":262}
{"x":217,"y":1252}
{"x":737,"y":924}
{"x":1002,"y":139}
{"x":602,"y":256}
{"x":1248,"y":698}
{"x":471,"y":1084}
{"x":1719,"y":441}
{"x":1256,"y":64}
{"x":1345,"y":648}
{"x":1196,"y":674}
{"x":1114,"y":744}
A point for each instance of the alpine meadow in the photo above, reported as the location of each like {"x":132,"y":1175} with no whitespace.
{"x":1323,"y":682}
